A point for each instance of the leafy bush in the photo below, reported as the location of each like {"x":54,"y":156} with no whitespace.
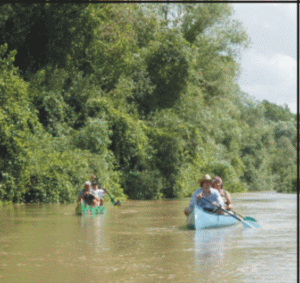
{"x":143,"y":185}
{"x":17,"y":123}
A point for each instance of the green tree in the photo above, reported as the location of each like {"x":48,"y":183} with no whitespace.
{"x":167,"y":66}
{"x":144,"y":96}
{"x":18,"y":122}
{"x":46,"y":34}
{"x":277,"y":113}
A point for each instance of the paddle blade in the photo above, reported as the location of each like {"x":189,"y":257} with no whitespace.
{"x":250,"y":224}
{"x":254,"y":224}
{"x":115,"y":203}
{"x":248,"y":218}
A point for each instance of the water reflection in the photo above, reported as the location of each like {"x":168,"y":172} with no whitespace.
{"x":210,"y":244}
{"x":214,"y":260}
{"x":92,"y":228}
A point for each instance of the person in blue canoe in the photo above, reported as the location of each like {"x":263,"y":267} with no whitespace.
{"x":206,"y":191}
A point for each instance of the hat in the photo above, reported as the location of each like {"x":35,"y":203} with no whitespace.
{"x":87,"y":183}
{"x":217,"y":179}
{"x":94,"y":183}
{"x":206,"y":177}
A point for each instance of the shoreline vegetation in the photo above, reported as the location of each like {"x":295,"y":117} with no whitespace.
{"x":143,"y":96}
{"x":107,"y":202}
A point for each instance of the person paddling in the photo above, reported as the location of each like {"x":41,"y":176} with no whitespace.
{"x":98,"y":192}
{"x":88,"y":195}
{"x":208,"y":192}
{"x":218,"y":185}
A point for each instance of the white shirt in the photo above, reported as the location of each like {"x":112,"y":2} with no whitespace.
{"x":99,"y":193}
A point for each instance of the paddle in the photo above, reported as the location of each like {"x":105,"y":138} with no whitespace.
{"x":244,"y":217}
{"x":248,"y":218}
{"x":117,"y":202}
{"x":246,"y":224}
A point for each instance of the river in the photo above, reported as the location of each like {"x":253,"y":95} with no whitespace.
{"x":147,"y":241}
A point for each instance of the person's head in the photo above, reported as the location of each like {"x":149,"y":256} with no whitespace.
{"x":205,"y":182}
{"x":95,"y":185}
{"x":87,"y":185}
{"x":217,"y":183}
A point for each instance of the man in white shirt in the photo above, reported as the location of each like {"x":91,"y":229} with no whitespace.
{"x":98,"y":192}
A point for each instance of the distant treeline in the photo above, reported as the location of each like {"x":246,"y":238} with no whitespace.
{"x":142,"y":95}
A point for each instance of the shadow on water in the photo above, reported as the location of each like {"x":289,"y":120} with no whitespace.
{"x":184,"y":228}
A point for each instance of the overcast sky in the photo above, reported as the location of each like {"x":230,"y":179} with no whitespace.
{"x":268,"y":67}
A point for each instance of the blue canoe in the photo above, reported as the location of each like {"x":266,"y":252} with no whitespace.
{"x":199,"y":219}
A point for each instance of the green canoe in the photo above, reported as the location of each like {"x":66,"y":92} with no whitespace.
{"x":82,"y":209}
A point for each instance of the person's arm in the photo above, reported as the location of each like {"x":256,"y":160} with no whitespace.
{"x":95,"y":196}
{"x":193,"y":201}
{"x":101,"y":193}
{"x":228,"y":201}
{"x":81,"y":196}
{"x":219,"y":200}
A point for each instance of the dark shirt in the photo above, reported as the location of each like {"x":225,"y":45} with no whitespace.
{"x":88,"y":199}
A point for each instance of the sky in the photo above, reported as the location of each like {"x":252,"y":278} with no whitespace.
{"x":268,"y":67}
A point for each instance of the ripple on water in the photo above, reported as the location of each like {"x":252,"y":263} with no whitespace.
{"x":151,"y":244}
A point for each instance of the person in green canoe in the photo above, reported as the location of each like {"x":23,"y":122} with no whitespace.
{"x":98,"y":192}
{"x":88,"y":195}
{"x":206,"y":191}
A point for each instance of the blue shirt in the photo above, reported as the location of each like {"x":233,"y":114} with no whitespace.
{"x":214,"y":196}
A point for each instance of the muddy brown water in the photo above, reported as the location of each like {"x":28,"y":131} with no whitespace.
{"x":147,"y":241}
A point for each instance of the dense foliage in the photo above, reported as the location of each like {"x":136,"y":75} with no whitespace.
{"x":143,"y":96}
